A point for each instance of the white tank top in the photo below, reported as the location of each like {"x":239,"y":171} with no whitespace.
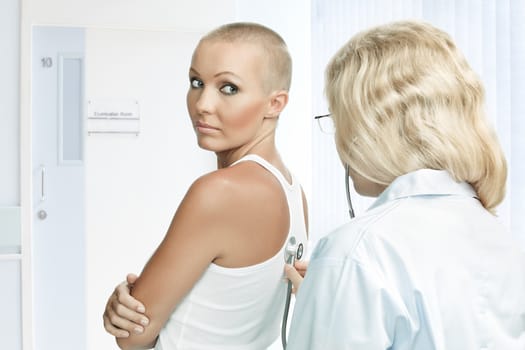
{"x":237,"y":308}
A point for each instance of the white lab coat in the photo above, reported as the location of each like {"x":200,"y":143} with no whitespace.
{"x":426,"y":267}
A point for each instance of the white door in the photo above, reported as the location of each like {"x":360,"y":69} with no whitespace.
{"x":58,"y":188}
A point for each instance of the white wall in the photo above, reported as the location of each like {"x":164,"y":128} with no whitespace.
{"x":10,"y":265}
{"x":9,"y":93}
{"x":151,"y":14}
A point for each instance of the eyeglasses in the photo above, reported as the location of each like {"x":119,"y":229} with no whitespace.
{"x":326,"y":123}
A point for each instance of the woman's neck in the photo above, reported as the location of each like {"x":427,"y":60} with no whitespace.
{"x":264,"y":147}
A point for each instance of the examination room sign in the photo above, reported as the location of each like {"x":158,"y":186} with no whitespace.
{"x":113,"y":116}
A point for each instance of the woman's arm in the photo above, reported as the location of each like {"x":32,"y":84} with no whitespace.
{"x":188,"y":248}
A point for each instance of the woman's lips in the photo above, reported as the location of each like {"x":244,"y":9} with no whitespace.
{"x":205,"y":128}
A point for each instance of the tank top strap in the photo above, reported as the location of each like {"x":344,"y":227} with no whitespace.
{"x":268,"y":166}
{"x":294,"y":198}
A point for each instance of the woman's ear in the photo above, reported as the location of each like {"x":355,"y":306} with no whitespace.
{"x":278,"y":100}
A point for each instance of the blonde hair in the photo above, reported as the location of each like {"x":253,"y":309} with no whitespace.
{"x":404,"y":98}
{"x":278,"y":59}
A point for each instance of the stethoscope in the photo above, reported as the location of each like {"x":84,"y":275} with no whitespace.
{"x":294,"y":251}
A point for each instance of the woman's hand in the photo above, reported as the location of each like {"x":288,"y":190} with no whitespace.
{"x":296,"y":273}
{"x":124,"y":314}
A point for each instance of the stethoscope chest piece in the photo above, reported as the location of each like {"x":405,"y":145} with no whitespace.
{"x":293,"y":250}
{"x":299,"y":253}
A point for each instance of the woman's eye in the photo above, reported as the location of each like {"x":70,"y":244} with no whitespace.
{"x":229,"y":89}
{"x":196,"y":83}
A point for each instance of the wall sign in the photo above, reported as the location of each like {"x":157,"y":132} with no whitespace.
{"x":113,"y":116}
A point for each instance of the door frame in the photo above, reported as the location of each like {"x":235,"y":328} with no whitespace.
{"x":26,"y":186}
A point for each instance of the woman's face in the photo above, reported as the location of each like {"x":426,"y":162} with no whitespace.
{"x":226,"y":99}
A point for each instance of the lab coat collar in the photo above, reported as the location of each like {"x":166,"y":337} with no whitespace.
{"x":424,"y":182}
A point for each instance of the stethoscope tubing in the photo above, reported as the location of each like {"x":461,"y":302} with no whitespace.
{"x":291,"y":260}
{"x":347,"y":188}
{"x":289,"y":287}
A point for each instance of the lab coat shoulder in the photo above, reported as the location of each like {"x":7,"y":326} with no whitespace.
{"x":366,"y":241}
{"x":346,"y":301}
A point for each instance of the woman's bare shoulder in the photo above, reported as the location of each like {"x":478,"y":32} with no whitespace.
{"x":248,"y":208}
{"x":246,"y":194}
{"x":247,"y":181}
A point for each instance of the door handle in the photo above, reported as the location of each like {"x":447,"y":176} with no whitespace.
{"x":42,"y":183}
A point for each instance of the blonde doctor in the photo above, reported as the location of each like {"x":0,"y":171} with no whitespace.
{"x":428,"y":266}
